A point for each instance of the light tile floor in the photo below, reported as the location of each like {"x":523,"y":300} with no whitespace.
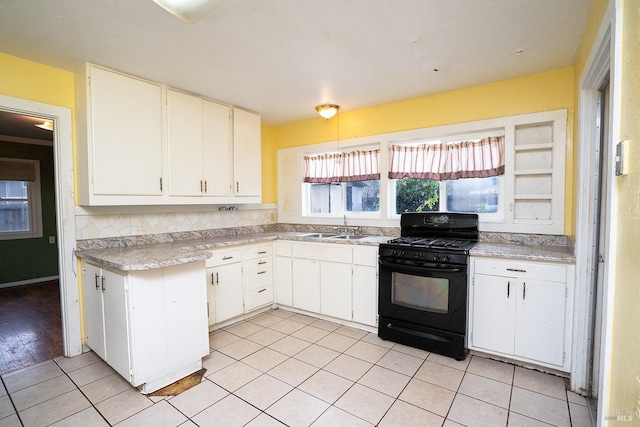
{"x":282,"y":368}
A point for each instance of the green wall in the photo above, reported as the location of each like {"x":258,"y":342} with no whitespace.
{"x":27,"y":259}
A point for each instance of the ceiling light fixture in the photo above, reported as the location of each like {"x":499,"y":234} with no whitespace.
{"x":327,"y":110}
{"x":47,"y":125}
{"x":191,"y":10}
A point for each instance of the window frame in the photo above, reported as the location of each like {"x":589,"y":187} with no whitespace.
{"x":291,"y":194}
{"x":34,"y":200}
{"x":344,"y":213}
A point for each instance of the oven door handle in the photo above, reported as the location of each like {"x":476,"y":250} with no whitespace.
{"x":422,"y":269}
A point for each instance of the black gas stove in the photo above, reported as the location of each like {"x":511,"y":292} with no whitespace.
{"x":423,"y":282}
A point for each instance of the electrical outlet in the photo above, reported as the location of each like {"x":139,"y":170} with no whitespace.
{"x":142,"y":224}
{"x":52,"y":240}
{"x":273,"y":217}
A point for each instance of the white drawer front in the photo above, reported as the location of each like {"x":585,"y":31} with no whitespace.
{"x":323,"y":252}
{"x":365,"y":255}
{"x":259,"y":277}
{"x":258,"y":251}
{"x":283,"y":248}
{"x":259,"y":297}
{"x":521,"y":269}
{"x":224,"y":257}
{"x":259,"y":263}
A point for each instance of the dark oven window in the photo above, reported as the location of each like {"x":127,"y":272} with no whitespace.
{"x":420,"y":292}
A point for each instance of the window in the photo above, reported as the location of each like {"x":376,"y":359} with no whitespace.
{"x":20,"y":215}
{"x":460,"y":176}
{"x":470,"y":195}
{"x":527,"y":196}
{"x":343,"y":182}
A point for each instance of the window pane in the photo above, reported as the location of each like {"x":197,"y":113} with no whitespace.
{"x":473,"y":195}
{"x":14,"y":206}
{"x":325,"y":198}
{"x":363,"y":196}
{"x":417,"y":195}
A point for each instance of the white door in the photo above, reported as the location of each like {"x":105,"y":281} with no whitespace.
{"x":540,"y":320}
{"x":184,"y":130}
{"x":247,"y":161}
{"x":335,"y":290}
{"x":124,"y":133}
{"x":494,"y":313}
{"x":116,"y":328}
{"x":306,"y":284}
{"x":365,"y":294}
{"x":228,"y":292}
{"x":93,"y":311}
{"x":216,"y":149}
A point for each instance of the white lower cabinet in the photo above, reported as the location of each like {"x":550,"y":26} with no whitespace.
{"x":239,"y":280}
{"x":224,"y":285}
{"x":365,"y":285}
{"x":283,"y":292}
{"x":258,"y":261}
{"x":335,"y":280}
{"x":522,"y":310}
{"x":306,"y":284}
{"x":150,"y":326}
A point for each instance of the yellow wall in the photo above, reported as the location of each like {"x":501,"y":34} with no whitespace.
{"x":625,"y":354}
{"x":36,"y":82}
{"x":534,"y":93}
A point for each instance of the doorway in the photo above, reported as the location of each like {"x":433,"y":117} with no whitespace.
{"x":65,"y":217}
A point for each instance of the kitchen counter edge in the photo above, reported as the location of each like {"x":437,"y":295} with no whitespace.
{"x":159,"y":255}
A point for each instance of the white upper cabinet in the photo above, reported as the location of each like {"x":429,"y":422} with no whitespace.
{"x":141,"y":143}
{"x":119,"y":136}
{"x":198,"y":134}
{"x":247,"y":170}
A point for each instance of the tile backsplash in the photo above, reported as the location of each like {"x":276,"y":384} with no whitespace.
{"x":98,"y":226}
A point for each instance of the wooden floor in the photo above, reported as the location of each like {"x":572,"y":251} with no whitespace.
{"x":30,"y":325}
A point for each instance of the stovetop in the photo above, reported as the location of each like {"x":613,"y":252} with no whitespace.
{"x":434,"y":243}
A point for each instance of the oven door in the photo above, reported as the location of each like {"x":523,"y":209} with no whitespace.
{"x":431,"y":295}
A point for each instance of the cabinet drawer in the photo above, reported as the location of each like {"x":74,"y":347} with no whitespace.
{"x":521,"y":269}
{"x":365,"y":255}
{"x":258,"y":251}
{"x":283,"y":248}
{"x":259,"y":263}
{"x":259,"y":297}
{"x":323,"y":252}
{"x":223,"y":258}
{"x":260,"y":277}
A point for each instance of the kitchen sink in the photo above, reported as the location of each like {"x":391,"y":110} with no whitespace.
{"x":348,"y":237}
{"x":319,"y":235}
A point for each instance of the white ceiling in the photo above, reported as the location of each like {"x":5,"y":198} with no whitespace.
{"x":283,"y":57}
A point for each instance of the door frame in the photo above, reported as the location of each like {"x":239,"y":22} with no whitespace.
{"x":604,"y":59}
{"x":65,"y":215}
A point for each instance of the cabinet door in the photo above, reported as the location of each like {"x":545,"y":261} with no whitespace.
{"x":247,"y":163}
{"x":228,"y":293}
{"x":216,"y":156}
{"x":335,"y":290}
{"x":493,"y":313}
{"x":365,"y":294}
{"x":126,"y":126}
{"x":540,"y":321}
{"x":93,"y":310}
{"x":284,"y":281}
{"x":306,"y":284}
{"x":116,"y":330}
{"x":184,"y":132}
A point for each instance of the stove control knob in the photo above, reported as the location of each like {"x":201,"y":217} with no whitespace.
{"x":445,"y":258}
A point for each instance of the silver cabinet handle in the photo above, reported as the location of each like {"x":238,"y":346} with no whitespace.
{"x":97,"y":286}
{"x":103,"y":289}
